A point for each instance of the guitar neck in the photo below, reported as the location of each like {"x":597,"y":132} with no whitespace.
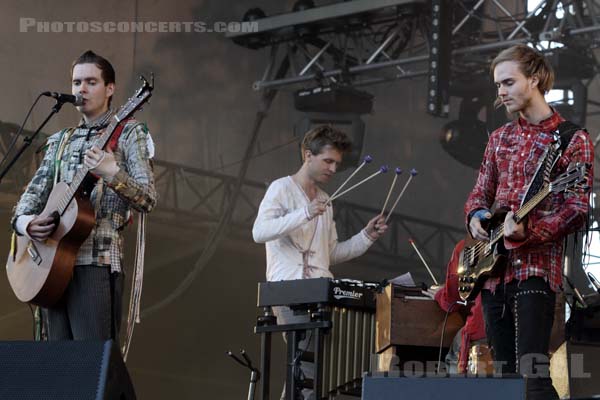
{"x":134,"y":103}
{"x":522,"y":212}
{"x":80,"y":176}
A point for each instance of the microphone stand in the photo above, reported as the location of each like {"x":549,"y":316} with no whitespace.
{"x":576,"y":295}
{"x":254,"y":373}
{"x":28,"y":140}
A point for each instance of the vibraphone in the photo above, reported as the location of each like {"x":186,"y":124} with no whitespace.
{"x":342,"y":318}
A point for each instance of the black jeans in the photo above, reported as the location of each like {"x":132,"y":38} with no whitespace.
{"x":518,"y":318}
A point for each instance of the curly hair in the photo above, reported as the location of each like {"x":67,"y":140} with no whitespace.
{"x":325,"y":135}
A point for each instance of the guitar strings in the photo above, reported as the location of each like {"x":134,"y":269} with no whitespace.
{"x":66,"y":199}
{"x":497,"y":234}
{"x":544,"y":191}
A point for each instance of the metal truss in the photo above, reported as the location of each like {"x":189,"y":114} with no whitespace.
{"x":195,"y":196}
{"x":385,"y":43}
{"x":356,"y":42}
{"x":567,"y":30}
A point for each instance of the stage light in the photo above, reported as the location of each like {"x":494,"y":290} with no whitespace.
{"x":253,"y":14}
{"x":302,"y":5}
{"x":308,"y":29}
{"x":329,"y":99}
{"x":465,"y":140}
{"x":253,"y":41}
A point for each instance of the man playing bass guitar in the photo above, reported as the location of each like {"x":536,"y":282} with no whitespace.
{"x":519,"y":304}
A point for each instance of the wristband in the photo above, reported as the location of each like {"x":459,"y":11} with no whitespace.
{"x":481,"y":214}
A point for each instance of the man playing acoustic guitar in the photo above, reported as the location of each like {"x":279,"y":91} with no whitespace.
{"x":90,"y":308}
{"x":519,"y":305}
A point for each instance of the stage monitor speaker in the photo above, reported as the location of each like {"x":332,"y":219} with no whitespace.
{"x":584,"y":370}
{"x":82,"y":370}
{"x":442,"y":388}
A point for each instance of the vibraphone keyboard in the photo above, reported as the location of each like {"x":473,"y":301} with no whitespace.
{"x":306,"y":292}
{"x":347,"y":345}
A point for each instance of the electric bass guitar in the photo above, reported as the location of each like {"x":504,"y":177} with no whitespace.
{"x":481,"y":259}
{"x":39,"y":272}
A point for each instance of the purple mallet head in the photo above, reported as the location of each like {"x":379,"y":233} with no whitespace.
{"x":384,"y":169}
{"x":413,"y":172}
{"x":368,"y":159}
{"x":398,"y":170}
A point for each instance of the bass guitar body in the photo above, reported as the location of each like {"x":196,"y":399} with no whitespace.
{"x":480,"y":260}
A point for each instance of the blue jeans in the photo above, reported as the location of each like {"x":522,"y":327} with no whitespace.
{"x":518,"y":318}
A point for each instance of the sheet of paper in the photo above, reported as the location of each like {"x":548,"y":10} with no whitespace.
{"x":404,"y":280}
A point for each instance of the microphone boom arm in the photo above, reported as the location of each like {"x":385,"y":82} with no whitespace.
{"x":28,"y":140}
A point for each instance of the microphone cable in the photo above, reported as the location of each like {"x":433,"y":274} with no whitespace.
{"x":462,"y":303}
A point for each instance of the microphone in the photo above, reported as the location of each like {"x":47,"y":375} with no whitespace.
{"x":76,"y":100}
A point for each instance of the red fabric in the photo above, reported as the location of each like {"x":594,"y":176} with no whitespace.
{"x":112,"y":145}
{"x":474,"y":328}
{"x":113,"y":142}
{"x":509,"y":164}
{"x":114,"y":139}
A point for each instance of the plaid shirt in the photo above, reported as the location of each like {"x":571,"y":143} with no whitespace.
{"x":509,"y":164}
{"x":132,"y":186}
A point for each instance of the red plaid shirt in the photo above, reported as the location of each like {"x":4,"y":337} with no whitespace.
{"x":512,"y":155}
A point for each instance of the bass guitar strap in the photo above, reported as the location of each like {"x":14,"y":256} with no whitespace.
{"x":563,"y":135}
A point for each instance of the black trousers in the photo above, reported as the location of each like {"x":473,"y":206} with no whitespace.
{"x":519,"y":317}
{"x":285,"y":315}
{"x":90,"y":309}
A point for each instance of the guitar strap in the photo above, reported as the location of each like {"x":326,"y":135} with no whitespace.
{"x":112,"y":145}
{"x":564,"y":133}
{"x":114,"y":140}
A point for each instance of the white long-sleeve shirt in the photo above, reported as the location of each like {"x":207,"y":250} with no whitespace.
{"x":290,"y":237}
